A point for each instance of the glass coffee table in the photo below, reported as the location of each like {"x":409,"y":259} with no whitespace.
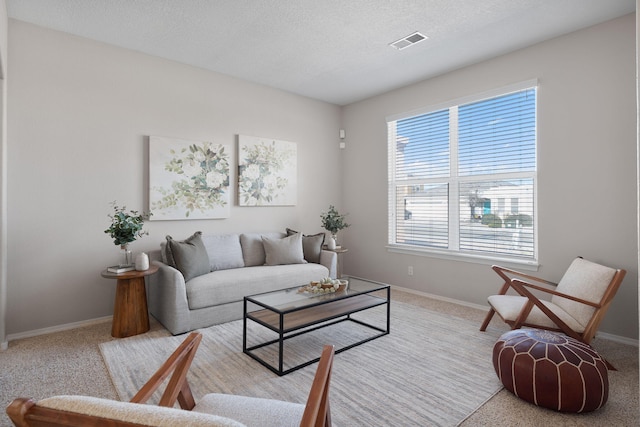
{"x":291,"y":313}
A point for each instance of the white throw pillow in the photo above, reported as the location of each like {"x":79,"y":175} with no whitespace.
{"x":284,"y":251}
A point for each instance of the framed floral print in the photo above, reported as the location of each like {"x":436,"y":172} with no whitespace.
{"x":267,"y":172}
{"x":188,"y":179}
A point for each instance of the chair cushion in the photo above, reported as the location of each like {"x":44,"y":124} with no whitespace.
{"x":252,"y":411}
{"x":586,"y":280}
{"x":510,"y":306}
{"x":146,"y":415}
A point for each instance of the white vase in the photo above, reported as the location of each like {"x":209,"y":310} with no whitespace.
{"x":142,"y":261}
{"x":331,"y":243}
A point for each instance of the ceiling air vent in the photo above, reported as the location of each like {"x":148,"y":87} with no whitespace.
{"x":408,"y":41}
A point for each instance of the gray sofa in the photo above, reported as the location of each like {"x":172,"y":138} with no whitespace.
{"x":203,"y":280}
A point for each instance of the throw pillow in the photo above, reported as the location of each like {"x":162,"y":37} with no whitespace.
{"x":284,"y":251}
{"x":253,"y":249}
{"x":224,"y":251}
{"x":189,"y":256}
{"x":311,"y":245}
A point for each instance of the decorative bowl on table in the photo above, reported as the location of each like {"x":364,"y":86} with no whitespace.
{"x":324,"y":286}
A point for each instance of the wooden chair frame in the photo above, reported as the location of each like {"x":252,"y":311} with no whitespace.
{"x":513,"y":279}
{"x":317,"y":412}
{"x":26,"y":412}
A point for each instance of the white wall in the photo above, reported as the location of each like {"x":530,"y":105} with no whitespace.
{"x":4,"y":29}
{"x":79,"y":114}
{"x":586,"y":163}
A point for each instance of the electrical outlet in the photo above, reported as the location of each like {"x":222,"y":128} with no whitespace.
{"x":410,"y":271}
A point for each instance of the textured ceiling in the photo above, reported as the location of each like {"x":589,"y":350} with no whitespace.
{"x":332,"y":50}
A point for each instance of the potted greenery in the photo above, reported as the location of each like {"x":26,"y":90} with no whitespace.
{"x":333,"y":221}
{"x":125,"y":228}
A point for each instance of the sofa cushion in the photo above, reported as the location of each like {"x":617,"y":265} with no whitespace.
{"x":311,"y":245}
{"x":225,"y":286}
{"x":253,"y":249}
{"x":287,"y":250}
{"x":188,"y":256}
{"x":224,"y":251}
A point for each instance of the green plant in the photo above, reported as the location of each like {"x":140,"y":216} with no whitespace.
{"x":521,"y":220}
{"x":126,"y":227}
{"x":332,"y":221}
{"x":492,"y":221}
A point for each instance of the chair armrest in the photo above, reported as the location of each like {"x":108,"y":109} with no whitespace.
{"x":518,"y":284}
{"x":330,"y":260}
{"x":317,"y":410}
{"x":520,"y":287}
{"x":177,"y":365}
{"x":508,"y":274}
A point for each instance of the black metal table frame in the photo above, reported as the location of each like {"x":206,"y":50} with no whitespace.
{"x":306,"y":328}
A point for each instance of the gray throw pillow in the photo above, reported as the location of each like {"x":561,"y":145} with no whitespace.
{"x":224,"y":251}
{"x":253,"y":249}
{"x":284,"y":251}
{"x":311,"y":245}
{"x":189,"y":256}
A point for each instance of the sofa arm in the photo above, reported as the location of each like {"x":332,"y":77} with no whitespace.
{"x":168,"y":296}
{"x":330,"y":260}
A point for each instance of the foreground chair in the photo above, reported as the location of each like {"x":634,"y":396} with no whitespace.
{"x":213,"y":410}
{"x":577,"y":306}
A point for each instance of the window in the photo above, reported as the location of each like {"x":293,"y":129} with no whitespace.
{"x":462,"y":177}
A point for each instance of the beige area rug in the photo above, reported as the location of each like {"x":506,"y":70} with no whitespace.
{"x":432,"y":370}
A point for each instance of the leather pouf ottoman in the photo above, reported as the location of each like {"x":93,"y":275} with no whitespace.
{"x":551,"y":370}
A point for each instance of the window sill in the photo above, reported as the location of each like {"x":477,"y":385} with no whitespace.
{"x":529,"y":265}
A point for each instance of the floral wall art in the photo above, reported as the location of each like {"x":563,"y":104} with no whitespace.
{"x":188,"y":179}
{"x":267,"y":172}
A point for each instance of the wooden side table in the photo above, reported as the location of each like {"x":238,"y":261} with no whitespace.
{"x":130,"y":313}
{"x":338,"y":251}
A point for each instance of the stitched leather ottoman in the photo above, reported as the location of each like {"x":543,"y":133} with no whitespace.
{"x":551,"y":370}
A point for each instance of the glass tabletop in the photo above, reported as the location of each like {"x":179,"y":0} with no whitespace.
{"x":296,"y":298}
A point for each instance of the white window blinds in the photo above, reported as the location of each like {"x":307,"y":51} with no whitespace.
{"x":463,"y":178}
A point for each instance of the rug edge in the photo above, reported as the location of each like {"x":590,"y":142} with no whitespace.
{"x":111,"y":374}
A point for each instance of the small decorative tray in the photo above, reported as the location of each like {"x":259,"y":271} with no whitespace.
{"x":325,"y":288}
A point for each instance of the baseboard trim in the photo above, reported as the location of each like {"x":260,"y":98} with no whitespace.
{"x":603,"y":335}
{"x":52,"y":329}
{"x":28,"y":334}
{"x":441,"y":298}
{"x":617,"y":338}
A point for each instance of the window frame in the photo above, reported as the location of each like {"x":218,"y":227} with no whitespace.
{"x":453,"y":253}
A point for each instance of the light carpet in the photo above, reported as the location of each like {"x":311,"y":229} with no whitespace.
{"x":431,"y":370}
